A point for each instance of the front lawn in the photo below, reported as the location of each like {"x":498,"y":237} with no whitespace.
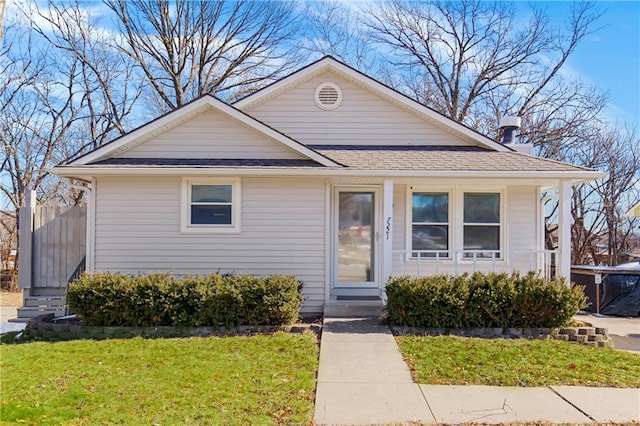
{"x":518,"y":362}
{"x":234,"y":380}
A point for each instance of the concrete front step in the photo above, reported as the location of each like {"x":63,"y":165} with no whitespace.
{"x":35,"y":311}
{"x":353,"y":309}
{"x":44,"y":301}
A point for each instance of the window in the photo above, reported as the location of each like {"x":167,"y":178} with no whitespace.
{"x":430,"y":223}
{"x":210,"y":205}
{"x":481,"y":226}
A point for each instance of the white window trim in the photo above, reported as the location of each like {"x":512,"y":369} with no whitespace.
{"x":456,"y":221}
{"x":185,"y":206}
{"x":409,"y":220}
{"x":502,"y":224}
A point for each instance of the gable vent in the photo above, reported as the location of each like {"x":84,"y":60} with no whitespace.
{"x":328,"y":96}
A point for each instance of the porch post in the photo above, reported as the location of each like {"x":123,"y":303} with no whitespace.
{"x":387,"y":231}
{"x":564,"y":230}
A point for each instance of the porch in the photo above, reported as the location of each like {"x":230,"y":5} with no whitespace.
{"x":375,"y":233}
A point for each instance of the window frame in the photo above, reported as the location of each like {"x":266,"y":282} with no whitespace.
{"x":450,"y":218}
{"x":456,"y":221}
{"x":501,"y":223}
{"x":185,"y":202}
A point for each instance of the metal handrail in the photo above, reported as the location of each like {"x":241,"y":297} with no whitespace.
{"x":82,"y":266}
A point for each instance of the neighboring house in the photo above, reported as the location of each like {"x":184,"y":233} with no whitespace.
{"x":326,"y":174}
{"x":634,"y":211}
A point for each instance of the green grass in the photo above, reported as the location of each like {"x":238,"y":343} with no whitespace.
{"x":518,"y":362}
{"x":235,"y":380}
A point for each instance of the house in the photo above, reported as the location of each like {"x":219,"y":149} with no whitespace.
{"x":634,"y":211}
{"x":326,"y":174}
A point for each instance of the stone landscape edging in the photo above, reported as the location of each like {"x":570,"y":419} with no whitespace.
{"x":42,"y":329}
{"x":590,"y":336}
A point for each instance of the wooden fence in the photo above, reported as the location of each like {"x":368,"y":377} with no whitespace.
{"x":52,"y":244}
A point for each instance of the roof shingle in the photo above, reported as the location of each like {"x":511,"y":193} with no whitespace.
{"x":438,"y":158}
{"x":205,"y":162}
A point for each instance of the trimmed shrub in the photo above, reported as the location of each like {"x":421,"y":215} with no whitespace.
{"x":113,"y":299}
{"x":482,"y":300}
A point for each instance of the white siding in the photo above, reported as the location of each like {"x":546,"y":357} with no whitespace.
{"x":282,"y":231}
{"x":520,"y":233}
{"x":362,"y":118}
{"x":522,"y":228}
{"x":211,"y":135}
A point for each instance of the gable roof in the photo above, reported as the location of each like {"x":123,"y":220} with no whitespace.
{"x":184,"y":113}
{"x":329,"y":63}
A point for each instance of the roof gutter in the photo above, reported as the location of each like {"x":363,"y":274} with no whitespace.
{"x":578,"y":176}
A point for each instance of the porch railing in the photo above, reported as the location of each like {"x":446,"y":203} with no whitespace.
{"x":428,"y":262}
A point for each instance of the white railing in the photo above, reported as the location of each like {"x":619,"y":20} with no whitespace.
{"x":429,"y":262}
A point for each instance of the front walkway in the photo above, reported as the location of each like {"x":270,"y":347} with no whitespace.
{"x":363,"y":379}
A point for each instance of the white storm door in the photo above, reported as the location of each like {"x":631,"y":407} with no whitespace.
{"x":356,"y":237}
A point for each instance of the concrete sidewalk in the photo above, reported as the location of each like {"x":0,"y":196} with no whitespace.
{"x":7,"y":313}
{"x":363,"y":379}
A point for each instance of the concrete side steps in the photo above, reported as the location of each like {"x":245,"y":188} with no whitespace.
{"x":41,"y":305}
{"x":34,"y":311}
{"x":353,"y":309}
{"x":44,"y":301}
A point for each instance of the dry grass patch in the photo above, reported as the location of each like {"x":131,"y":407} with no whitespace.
{"x":10,"y":298}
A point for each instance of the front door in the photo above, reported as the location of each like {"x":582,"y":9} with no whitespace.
{"x":355,"y":238}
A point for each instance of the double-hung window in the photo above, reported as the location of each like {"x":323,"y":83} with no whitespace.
{"x":211,"y":205}
{"x":430,"y":224}
{"x":481,"y":227}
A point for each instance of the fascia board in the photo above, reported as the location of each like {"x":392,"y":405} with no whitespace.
{"x":69,"y":171}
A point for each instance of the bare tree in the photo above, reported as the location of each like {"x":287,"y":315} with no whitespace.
{"x":23,"y":115}
{"x":106,"y":79}
{"x":333,"y":28}
{"x":188,"y":48}
{"x":64,"y":90}
{"x":599,"y":206}
{"x":470,"y":61}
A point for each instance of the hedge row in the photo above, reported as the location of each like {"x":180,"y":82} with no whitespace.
{"x":482,"y":300}
{"x":160,"y":299}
